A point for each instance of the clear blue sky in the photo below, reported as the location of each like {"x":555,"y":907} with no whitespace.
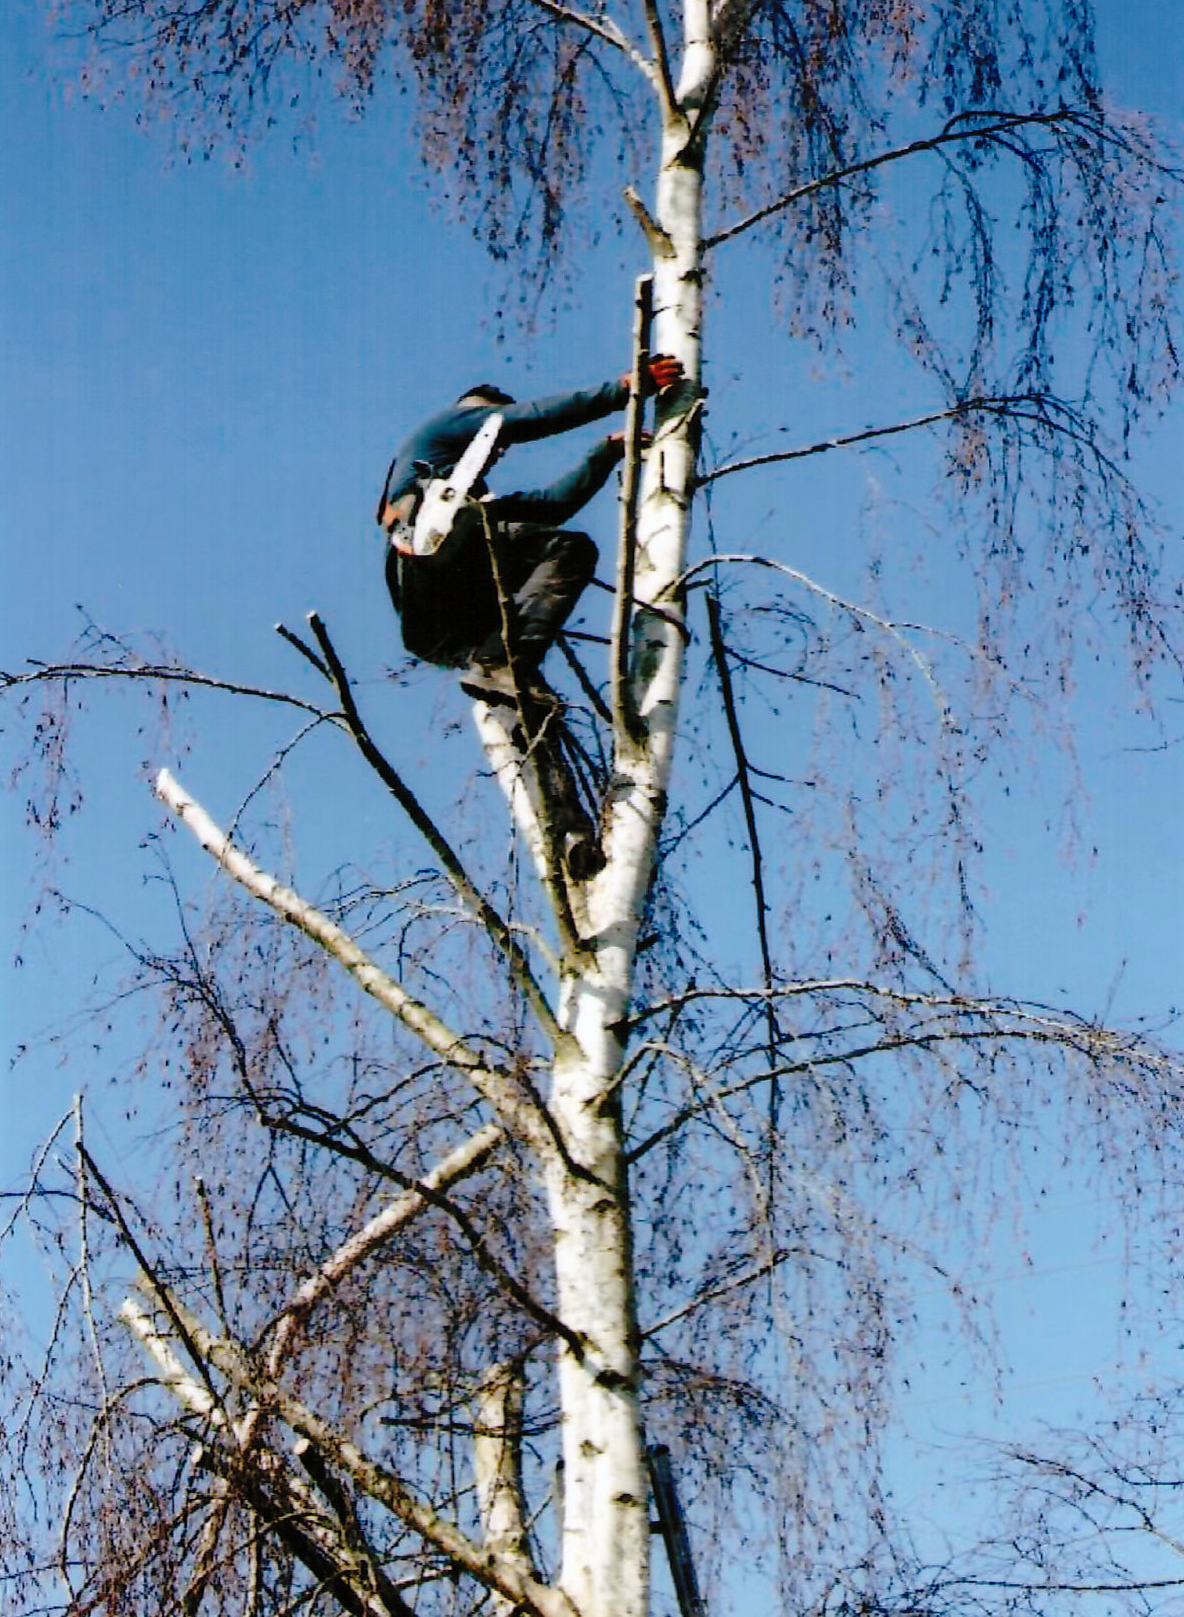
{"x":202,"y":374}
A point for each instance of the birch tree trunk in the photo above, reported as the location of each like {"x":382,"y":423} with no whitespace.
{"x":606,"y":1516}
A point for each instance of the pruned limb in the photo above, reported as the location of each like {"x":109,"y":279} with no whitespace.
{"x":624,"y":709}
{"x":658,"y":239}
{"x":495,"y":1085}
{"x":193,"y":1395}
{"x":497,"y":1466}
{"x":664,"y":79}
{"x":303,"y":648}
{"x":467,"y":1158}
{"x":466,"y":890}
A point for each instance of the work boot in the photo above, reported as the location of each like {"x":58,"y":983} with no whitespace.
{"x":494,"y":683}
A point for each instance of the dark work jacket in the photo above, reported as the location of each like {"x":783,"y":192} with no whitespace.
{"x":436,"y":447}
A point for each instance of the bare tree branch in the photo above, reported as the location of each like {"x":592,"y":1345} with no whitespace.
{"x":603,"y":28}
{"x":465,"y":1159}
{"x":490,"y":1568}
{"x":169,"y":673}
{"x":963,"y":127}
{"x":494,"y":1085}
{"x":1047,"y":412}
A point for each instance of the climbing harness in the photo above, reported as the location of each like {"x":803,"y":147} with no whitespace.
{"x":443,"y":498}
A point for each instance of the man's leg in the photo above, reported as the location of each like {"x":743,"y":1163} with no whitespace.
{"x":543,"y":572}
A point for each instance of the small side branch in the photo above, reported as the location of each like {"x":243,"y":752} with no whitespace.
{"x":958,"y":129}
{"x":494,"y":1085}
{"x":665,"y":80}
{"x":719,"y":652}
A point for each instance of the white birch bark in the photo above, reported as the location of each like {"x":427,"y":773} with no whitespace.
{"x":497,"y":1468}
{"x":605,"y":1570}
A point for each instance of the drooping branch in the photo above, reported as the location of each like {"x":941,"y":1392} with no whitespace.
{"x":1016,"y":1025}
{"x":719,"y":652}
{"x":1042,"y":410}
{"x":492,"y":1569}
{"x":495,"y":1085}
{"x":961,"y":128}
{"x":167,"y":673}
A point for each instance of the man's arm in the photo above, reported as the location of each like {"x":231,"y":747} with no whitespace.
{"x":554,"y":505}
{"x":541,"y":418}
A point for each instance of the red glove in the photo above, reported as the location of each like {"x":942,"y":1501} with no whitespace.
{"x":664,"y":371}
{"x":661,"y":372}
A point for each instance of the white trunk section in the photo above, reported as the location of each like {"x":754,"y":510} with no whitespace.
{"x":497,"y":1469}
{"x":606,"y":1511}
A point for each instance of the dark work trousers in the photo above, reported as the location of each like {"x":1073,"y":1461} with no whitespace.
{"x":449,"y":605}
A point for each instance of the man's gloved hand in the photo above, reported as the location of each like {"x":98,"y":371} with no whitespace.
{"x":662,"y":371}
{"x":617,"y":439}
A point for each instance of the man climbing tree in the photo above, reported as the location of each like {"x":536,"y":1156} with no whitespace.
{"x":506,"y":554}
{"x":518,"y":1178}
